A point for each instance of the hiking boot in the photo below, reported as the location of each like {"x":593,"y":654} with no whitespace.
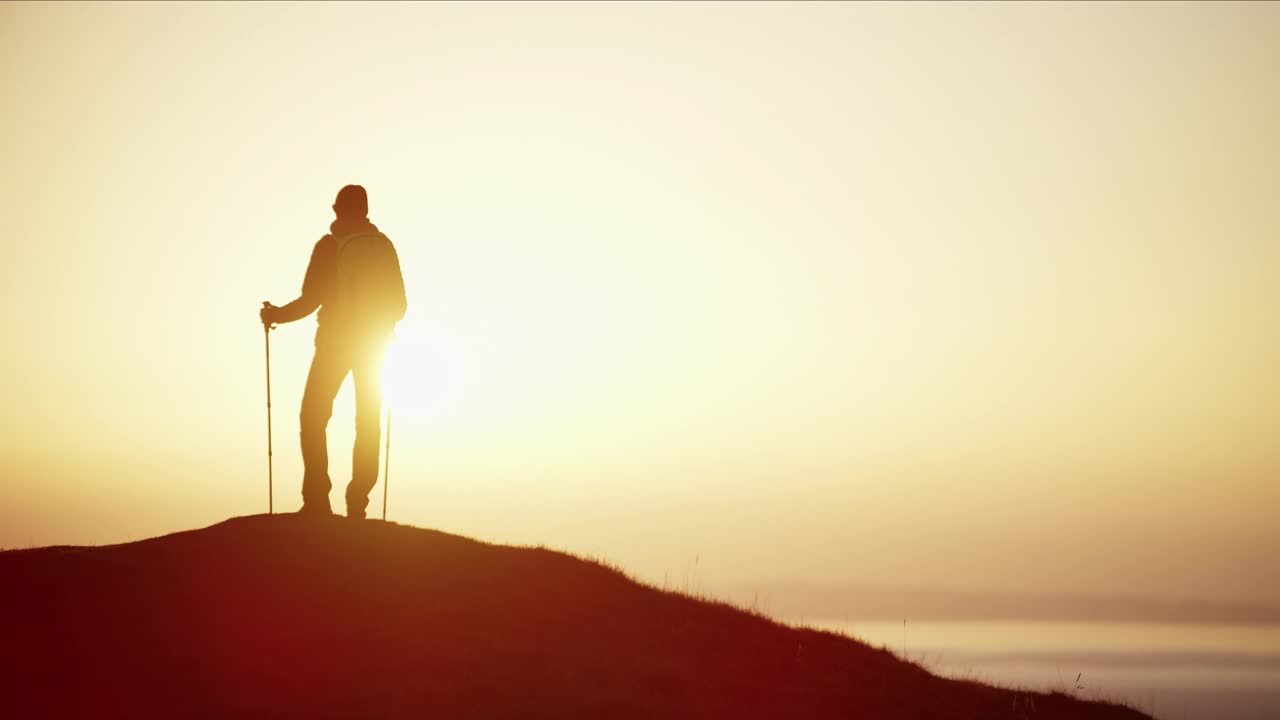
{"x":356,"y":504}
{"x":315,"y":509}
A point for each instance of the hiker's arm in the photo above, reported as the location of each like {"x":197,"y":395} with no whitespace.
{"x":310,"y":298}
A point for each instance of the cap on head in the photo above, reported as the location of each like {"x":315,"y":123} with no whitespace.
{"x":352,"y":202}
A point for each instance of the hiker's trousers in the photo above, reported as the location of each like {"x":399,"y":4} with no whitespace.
{"x":332,"y":363}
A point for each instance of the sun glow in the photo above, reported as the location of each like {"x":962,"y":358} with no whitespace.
{"x":862,"y":278}
{"x":417,"y":378}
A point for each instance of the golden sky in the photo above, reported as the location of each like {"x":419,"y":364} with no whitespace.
{"x":970,"y":296}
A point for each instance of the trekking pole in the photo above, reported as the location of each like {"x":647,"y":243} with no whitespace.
{"x":386,"y":468}
{"x":266,"y":334}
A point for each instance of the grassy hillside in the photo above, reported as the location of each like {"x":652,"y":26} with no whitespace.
{"x":283,"y":616}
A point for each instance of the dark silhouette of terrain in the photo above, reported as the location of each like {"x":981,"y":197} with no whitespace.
{"x":291,"y":616}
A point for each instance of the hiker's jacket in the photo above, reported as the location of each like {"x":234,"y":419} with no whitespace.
{"x":370,"y":317}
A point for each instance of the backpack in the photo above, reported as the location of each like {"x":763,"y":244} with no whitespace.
{"x":367,"y":274}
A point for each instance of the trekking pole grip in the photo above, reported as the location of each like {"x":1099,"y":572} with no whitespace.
{"x":267,"y":327}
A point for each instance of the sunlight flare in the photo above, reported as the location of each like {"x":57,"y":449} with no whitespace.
{"x":416,"y":378}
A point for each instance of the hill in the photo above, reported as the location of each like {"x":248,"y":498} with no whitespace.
{"x":285,"y":616}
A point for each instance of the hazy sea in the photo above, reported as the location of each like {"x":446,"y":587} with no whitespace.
{"x":1172,"y":671}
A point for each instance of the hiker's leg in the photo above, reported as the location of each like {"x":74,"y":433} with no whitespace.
{"x":367,"y":371}
{"x":328,"y":369}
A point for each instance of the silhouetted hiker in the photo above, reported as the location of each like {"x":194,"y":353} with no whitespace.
{"x":354,"y":278}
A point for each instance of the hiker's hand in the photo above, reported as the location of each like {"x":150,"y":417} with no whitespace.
{"x":268,"y":314}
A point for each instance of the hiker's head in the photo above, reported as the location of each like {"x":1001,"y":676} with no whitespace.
{"x":352,"y":202}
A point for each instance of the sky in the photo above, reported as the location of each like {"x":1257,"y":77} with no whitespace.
{"x":979,"y":297}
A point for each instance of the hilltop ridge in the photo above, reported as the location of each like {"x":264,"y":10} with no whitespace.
{"x":282,"y":615}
